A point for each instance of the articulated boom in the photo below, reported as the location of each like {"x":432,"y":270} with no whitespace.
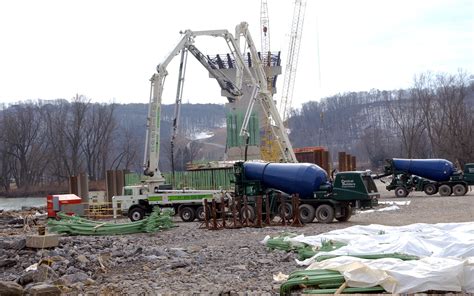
{"x":233,"y":89}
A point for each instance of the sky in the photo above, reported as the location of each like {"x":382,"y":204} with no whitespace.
{"x":108,"y":50}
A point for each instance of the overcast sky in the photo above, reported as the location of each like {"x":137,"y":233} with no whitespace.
{"x":108,"y":50}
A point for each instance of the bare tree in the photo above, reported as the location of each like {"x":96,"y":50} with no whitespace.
{"x":406,"y":114}
{"x":74,"y":134}
{"x":23,"y":134}
{"x":97,"y":136}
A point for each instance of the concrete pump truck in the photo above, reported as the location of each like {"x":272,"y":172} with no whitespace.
{"x":138,"y":201}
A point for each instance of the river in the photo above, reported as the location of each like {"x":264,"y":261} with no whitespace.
{"x":15,"y":203}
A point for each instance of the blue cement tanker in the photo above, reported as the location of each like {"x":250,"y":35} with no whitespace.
{"x":292,"y":178}
{"x":433,"y":169}
{"x":319,"y":197}
{"x":428,"y":175}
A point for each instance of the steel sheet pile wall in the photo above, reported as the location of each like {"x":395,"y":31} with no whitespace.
{"x":347,"y":162}
{"x":203,"y":179}
{"x":211,"y":179}
{"x":318,"y":155}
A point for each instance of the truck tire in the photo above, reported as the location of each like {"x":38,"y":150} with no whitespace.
{"x":325,"y":213}
{"x":459,"y":189}
{"x":444,"y":190}
{"x":286,"y":209}
{"x":347,"y":214}
{"x":136,"y":213}
{"x":247,"y":212}
{"x":187,"y":214}
{"x":200,"y":213}
{"x":401,"y":192}
{"x":307,"y":213}
{"x":430,"y":189}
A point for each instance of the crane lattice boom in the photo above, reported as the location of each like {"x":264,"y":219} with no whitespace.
{"x":292,"y":58}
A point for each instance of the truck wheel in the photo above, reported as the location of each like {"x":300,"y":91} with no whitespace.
{"x":187,"y":214}
{"x":430,"y":189}
{"x":136,"y":214}
{"x":347,"y":214}
{"x":401,"y":192}
{"x":307,"y":213}
{"x":325,"y":213}
{"x":444,"y":190}
{"x":459,"y":189}
{"x":286,"y":209}
{"x":247,"y":212}
{"x":201,"y":215}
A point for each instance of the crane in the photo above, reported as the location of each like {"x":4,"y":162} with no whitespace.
{"x":292,"y":58}
{"x":269,"y":148}
{"x":265,"y":33}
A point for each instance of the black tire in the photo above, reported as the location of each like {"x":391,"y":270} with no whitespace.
{"x":201,"y":215}
{"x":459,"y":190}
{"x":401,"y":192}
{"x":307,"y":213}
{"x":444,"y":190}
{"x":136,"y":214}
{"x":430,"y":189}
{"x":325,"y":213}
{"x":347,"y":214}
{"x":187,"y":214}
{"x":286,"y":209}
{"x":247,"y":212}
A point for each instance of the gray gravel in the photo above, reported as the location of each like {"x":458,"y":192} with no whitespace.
{"x":189,"y":259}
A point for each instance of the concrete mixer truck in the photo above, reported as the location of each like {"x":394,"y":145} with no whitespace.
{"x":320,"y":197}
{"x":428,"y":175}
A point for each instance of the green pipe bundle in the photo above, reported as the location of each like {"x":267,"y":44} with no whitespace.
{"x":157,"y":221}
{"x":306,"y":251}
{"x":320,"y":281}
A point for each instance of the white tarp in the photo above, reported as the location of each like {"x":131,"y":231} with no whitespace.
{"x":398,"y":276}
{"x":437,"y":240}
{"x":446,"y":251}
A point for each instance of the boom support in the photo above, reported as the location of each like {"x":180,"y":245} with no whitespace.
{"x":257,"y":80}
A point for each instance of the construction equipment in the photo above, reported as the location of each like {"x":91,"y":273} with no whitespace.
{"x":428,"y":175}
{"x":292,"y":58}
{"x":269,"y":147}
{"x":141,"y":199}
{"x":319,"y":197}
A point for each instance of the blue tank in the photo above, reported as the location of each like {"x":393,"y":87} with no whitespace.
{"x":434,"y":169}
{"x":291,"y":178}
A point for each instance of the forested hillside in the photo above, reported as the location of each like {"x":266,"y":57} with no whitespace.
{"x":434,"y":118}
{"x":44,"y":142}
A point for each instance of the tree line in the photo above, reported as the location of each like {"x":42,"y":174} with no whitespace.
{"x":45,"y":142}
{"x":432,"y":119}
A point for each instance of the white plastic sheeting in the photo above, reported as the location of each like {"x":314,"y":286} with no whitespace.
{"x":398,"y":276}
{"x":446,"y":251}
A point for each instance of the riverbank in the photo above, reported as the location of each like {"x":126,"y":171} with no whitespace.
{"x":189,"y":259}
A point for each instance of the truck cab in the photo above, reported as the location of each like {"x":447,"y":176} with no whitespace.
{"x":355,"y":185}
{"x":469,"y":173}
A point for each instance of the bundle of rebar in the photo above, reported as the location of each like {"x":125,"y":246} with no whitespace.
{"x":73,"y":225}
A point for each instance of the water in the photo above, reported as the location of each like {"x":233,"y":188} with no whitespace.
{"x":15,"y":203}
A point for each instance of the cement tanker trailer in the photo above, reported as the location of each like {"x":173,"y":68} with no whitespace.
{"x":319,"y":197}
{"x":428,"y":175}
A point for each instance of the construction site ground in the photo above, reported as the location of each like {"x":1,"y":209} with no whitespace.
{"x":189,"y":259}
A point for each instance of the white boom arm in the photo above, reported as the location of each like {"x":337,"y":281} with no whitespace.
{"x":265,"y":99}
{"x":258,"y":83}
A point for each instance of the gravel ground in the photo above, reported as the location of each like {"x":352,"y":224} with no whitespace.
{"x":189,"y":259}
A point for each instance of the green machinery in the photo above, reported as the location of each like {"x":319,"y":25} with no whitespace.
{"x":319,"y":198}
{"x":428,"y":175}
